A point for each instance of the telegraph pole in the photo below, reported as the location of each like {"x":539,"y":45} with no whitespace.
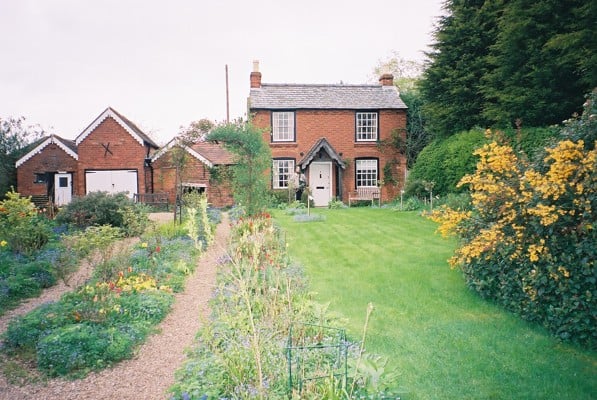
{"x":227,"y":98}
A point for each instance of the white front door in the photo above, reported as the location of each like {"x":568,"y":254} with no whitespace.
{"x":63,"y":191}
{"x":320,"y":183}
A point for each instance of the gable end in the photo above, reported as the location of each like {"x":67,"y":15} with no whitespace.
{"x":50,"y":140}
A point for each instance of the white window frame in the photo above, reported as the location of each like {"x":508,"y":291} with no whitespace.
{"x":282,"y":170}
{"x":366,"y":123}
{"x":366,"y":172}
{"x":283,"y":126}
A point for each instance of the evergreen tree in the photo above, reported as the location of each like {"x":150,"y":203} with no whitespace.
{"x":457,"y":64}
{"x":540,"y":64}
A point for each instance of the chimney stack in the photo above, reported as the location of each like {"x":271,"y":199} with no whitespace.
{"x":386,"y":79}
{"x":255,"y":76}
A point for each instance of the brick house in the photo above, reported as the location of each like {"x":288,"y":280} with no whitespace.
{"x":113,"y":155}
{"x":202,"y":163}
{"x":337,"y":134}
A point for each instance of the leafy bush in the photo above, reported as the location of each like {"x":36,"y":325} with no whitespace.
{"x":445,"y":162}
{"x":21,"y":226}
{"x":529,"y":242}
{"x":101,"y":208}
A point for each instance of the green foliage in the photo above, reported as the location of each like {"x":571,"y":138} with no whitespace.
{"x":23,"y":277}
{"x":134,"y":219}
{"x":102,"y":208}
{"x":417,"y":133}
{"x":498,"y":61}
{"x":445,"y":162}
{"x":105,"y":320}
{"x":258,"y":298}
{"x":15,"y":140}
{"x":253,"y":159}
{"x":529,"y":243}
{"x":21,"y":226}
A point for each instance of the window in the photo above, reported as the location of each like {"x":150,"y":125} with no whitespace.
{"x":366,"y":123}
{"x":366,"y":172}
{"x":283,"y":126}
{"x":62,"y":182}
{"x":282,"y":171}
{"x":40,"y":177}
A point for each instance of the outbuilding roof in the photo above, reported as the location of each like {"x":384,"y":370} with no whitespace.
{"x":130,"y":127}
{"x":68,"y":146}
{"x":339,"y":97}
{"x":208,"y":153}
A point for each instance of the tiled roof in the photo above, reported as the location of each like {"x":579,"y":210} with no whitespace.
{"x":215,"y":153}
{"x":322,"y":143}
{"x":68,"y":146}
{"x":136,"y":129}
{"x":339,"y":97}
{"x":208,"y":153}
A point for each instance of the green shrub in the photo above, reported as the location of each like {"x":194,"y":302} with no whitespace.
{"x":101,"y":208}
{"x":21,"y":226}
{"x":446,"y":161}
{"x":529,"y":241}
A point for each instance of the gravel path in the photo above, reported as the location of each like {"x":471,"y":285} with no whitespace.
{"x":150,"y":374}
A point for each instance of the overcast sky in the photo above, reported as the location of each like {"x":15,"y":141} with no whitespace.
{"x":162,"y":63}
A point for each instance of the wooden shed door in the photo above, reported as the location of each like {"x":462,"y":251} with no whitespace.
{"x":63,"y":188}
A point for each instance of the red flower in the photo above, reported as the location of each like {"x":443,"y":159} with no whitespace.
{"x":157,"y":249}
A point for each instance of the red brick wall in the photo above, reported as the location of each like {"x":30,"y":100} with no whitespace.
{"x":164,"y":180}
{"x":338,"y":127}
{"x":127,"y":153}
{"x":51,"y":159}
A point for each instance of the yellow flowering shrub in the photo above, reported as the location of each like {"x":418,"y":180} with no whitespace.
{"x":529,"y":243}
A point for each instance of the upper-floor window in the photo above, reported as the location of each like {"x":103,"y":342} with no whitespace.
{"x":366,"y":172}
{"x":282,"y":170}
{"x":366,"y":126}
{"x":283,"y":126}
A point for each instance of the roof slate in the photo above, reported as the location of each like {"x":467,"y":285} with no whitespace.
{"x":300,"y":96}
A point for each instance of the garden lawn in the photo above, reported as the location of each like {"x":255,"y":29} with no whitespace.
{"x":445,"y":341}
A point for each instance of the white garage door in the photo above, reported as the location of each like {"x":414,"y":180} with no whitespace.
{"x":112,"y":181}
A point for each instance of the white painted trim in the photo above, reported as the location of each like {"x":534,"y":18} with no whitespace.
{"x":51,"y":140}
{"x":176,"y":142}
{"x":331,"y":182}
{"x":108,"y":113}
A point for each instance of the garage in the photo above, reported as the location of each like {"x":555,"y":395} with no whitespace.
{"x":112,"y":181}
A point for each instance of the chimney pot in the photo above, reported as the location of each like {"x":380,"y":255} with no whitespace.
{"x":255,"y":76}
{"x":386,"y":79}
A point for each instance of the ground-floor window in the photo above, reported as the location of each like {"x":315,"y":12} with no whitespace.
{"x":282,"y":171}
{"x":366,"y":172}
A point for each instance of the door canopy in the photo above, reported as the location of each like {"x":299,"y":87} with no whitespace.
{"x":321,"y":145}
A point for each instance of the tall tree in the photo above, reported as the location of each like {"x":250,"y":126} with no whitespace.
{"x":457,"y":64}
{"x":542,"y":63}
{"x":15,"y":137}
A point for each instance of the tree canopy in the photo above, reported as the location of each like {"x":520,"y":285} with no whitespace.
{"x":497,"y":61}
{"x":15,"y":137}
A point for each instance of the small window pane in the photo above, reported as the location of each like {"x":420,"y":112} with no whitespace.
{"x":63,"y":182}
{"x":283,"y":126}
{"x":282,"y":171}
{"x":366,"y":173}
{"x":39,"y":178}
{"x":366,"y":125}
